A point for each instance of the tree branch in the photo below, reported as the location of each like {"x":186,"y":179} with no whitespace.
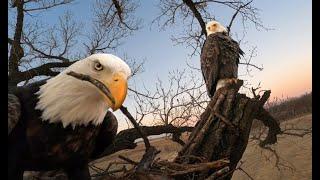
{"x":136,"y":125}
{"x":126,"y":138}
{"x":10,"y":41}
{"x":43,"y":70}
{"x":43,"y":54}
{"x":235,"y":14}
{"x":16,"y":51}
{"x":197,"y":14}
{"x":48,"y":6}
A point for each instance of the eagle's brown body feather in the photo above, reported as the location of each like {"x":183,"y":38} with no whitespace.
{"x":220,"y":56}
{"x":38,"y":145}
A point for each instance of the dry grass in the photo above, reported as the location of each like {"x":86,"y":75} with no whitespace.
{"x":283,"y":109}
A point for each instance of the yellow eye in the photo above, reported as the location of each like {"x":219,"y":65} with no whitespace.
{"x":98,"y":66}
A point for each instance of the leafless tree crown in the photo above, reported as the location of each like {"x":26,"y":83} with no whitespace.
{"x":36,"y":49}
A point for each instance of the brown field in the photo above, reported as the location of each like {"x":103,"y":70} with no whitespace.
{"x":294,"y":163}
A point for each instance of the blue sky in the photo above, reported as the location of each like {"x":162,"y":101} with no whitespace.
{"x":285,"y":52}
{"x":287,"y":48}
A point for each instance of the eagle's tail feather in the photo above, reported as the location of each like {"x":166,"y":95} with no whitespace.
{"x":226,"y":82}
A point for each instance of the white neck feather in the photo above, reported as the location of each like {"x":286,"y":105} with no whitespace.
{"x":71,"y":101}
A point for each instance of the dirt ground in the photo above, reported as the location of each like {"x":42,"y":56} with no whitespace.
{"x":295,"y":155}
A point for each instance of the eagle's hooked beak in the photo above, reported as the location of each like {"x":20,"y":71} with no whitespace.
{"x":114,"y":92}
{"x":118,"y":91}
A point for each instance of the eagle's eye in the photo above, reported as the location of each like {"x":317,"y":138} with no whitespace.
{"x":98,"y":66}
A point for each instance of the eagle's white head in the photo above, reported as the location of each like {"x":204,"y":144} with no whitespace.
{"x":214,"y":26}
{"x":72,"y":101}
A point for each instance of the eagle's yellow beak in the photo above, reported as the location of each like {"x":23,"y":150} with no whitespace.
{"x":118,"y":89}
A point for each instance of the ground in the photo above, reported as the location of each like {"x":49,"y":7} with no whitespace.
{"x":296,"y":152}
{"x":295,"y":155}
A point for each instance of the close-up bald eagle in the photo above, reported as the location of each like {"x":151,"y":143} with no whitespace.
{"x":220,"y":56}
{"x":62,"y":122}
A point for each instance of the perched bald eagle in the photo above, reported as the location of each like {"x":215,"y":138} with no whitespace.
{"x":62,"y":122}
{"x":220,"y":56}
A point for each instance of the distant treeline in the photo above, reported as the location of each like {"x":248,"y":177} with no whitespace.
{"x":289,"y":108}
{"x":284,"y":109}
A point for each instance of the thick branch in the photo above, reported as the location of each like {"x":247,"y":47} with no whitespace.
{"x":118,"y":8}
{"x":16,"y":51}
{"x":43,"y":70}
{"x":272,"y":124}
{"x":10,"y":41}
{"x":197,"y":14}
{"x":136,"y":125}
{"x":235,"y":14}
{"x":126,"y":138}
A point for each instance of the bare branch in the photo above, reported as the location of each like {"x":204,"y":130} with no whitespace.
{"x":196,"y":13}
{"x":190,"y":11}
{"x":43,"y":54}
{"x":179,"y":103}
{"x":43,"y":70}
{"x":235,"y":14}
{"x":253,"y":65}
{"x":248,"y":58}
{"x":108,"y":29}
{"x":136,"y":125}
{"x":144,"y":95}
{"x":119,"y":7}
{"x":128,"y":160}
{"x":46,"y":4}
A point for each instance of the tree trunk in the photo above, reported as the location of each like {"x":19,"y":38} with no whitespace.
{"x":223,"y":130}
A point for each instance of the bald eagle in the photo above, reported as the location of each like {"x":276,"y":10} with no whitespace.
{"x":62,"y":122}
{"x":219,"y":58}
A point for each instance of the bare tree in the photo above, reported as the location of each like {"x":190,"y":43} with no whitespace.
{"x":17,"y":50}
{"x":179,"y":102}
{"x":36,"y":50}
{"x":113,"y":22}
{"x":188,"y":13}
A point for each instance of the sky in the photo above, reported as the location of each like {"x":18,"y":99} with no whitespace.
{"x":285,"y":52}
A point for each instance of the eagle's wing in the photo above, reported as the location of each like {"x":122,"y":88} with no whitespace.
{"x":230,"y":56}
{"x":14,"y":111}
{"x":210,"y":64}
{"x":14,"y":106}
{"x":106,"y":136}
